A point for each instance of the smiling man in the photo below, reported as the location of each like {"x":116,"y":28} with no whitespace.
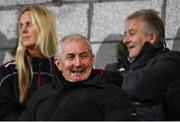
{"x":75,"y":59}
{"x":80,"y":92}
{"x":151,"y":71}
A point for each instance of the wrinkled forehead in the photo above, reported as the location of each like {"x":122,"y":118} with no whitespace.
{"x":135,"y":23}
{"x":74,"y":46}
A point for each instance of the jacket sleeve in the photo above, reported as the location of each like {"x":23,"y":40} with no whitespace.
{"x":149,"y":80}
{"x":117,"y":106}
{"x":9,"y":107}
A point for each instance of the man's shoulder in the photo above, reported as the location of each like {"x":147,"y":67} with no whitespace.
{"x":171,"y":54}
{"x":174,"y":52}
{"x":112,"y":77}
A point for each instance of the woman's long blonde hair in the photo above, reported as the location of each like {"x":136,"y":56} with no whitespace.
{"x":46,"y":43}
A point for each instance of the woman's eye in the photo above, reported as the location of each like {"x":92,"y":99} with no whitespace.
{"x":29,"y":24}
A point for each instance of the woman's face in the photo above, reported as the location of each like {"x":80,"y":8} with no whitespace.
{"x":28,"y":31}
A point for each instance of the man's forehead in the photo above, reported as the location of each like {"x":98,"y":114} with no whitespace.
{"x":133,"y":25}
{"x":74,"y":42}
{"x":69,"y":40}
{"x":71,"y":46}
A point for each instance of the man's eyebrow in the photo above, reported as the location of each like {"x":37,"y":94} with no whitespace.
{"x":69,"y":54}
{"x":85,"y":52}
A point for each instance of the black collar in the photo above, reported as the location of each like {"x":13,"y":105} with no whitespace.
{"x":148,"y":51}
{"x":95,"y":79}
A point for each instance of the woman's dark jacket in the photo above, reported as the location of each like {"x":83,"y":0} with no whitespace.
{"x":147,"y":78}
{"x":10,"y":106}
{"x":97,"y":98}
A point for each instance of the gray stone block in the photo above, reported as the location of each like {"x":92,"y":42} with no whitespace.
{"x":109,"y":17}
{"x":169,"y":44}
{"x":104,"y":53}
{"x":22,"y":2}
{"x":8,"y":57}
{"x":8,"y":34}
{"x":173,"y":19}
{"x":78,"y":0}
{"x":71,"y":19}
{"x":1,"y":56}
{"x":176,"y":44}
{"x":86,"y":1}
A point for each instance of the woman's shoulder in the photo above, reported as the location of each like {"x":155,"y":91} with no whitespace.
{"x":7,"y":70}
{"x":8,"y":64}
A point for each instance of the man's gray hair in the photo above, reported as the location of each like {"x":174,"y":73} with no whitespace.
{"x":153,"y":24}
{"x":71,"y":37}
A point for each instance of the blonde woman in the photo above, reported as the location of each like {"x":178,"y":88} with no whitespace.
{"x":32,"y":67}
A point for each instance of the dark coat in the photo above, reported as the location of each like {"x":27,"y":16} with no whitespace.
{"x":10,"y":106}
{"x":147,"y":80}
{"x":97,"y":98}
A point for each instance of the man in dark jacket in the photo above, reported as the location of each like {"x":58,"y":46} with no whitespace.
{"x":80,"y":92}
{"x":151,"y":71}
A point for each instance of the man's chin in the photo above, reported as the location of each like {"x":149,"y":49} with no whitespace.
{"x":77,"y":79}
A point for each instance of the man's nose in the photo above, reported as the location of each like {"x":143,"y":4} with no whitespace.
{"x":77,"y":61}
{"x":126,"y":39}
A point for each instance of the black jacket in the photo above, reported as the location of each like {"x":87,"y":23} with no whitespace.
{"x":10,"y":107}
{"x":97,"y":98}
{"x":147,"y":79}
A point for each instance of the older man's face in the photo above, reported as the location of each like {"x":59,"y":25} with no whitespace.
{"x":135,"y":37}
{"x":76,"y":61}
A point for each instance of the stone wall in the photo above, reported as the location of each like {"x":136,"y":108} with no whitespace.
{"x":101,"y":21}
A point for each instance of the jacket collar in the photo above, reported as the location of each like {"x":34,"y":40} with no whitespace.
{"x":148,"y":51}
{"x":95,"y":79}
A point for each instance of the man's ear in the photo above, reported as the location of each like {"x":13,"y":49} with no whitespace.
{"x":153,"y":38}
{"x":58,"y":63}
